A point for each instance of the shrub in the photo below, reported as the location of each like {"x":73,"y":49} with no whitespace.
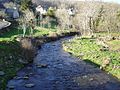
{"x":51,"y":12}
{"x":53,"y":34}
{"x":2,"y":14}
{"x":28,"y":49}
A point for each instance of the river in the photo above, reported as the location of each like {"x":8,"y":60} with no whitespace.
{"x":54,"y":69}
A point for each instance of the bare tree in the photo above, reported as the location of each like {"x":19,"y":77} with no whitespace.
{"x":9,"y":5}
{"x":63,"y":16}
{"x":2,"y":14}
{"x":27,"y":21}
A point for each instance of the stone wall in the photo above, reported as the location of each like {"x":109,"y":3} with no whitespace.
{"x":4,"y":26}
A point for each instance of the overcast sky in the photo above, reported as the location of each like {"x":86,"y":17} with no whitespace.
{"x":116,"y":1}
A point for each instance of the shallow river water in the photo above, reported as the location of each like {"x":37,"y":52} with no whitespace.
{"x":61,"y":71}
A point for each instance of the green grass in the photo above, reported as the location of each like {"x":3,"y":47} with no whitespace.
{"x":42,"y":31}
{"x":114,"y":45}
{"x":10,"y":52}
{"x":104,"y":34}
{"x":87,"y":49}
{"x":14,"y":32}
{"x":9,"y":47}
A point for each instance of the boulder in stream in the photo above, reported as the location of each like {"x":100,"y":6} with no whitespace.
{"x":41,"y":65}
{"x":29,"y":85}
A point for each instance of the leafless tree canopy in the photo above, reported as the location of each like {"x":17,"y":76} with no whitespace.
{"x":89,"y":17}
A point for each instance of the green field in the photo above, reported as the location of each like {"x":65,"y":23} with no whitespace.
{"x":14,"y":32}
{"x":10,"y":53}
{"x":88,"y":50}
{"x":114,"y":45}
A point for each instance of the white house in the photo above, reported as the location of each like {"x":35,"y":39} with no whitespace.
{"x":41,"y":10}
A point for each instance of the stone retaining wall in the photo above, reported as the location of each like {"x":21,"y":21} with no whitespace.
{"x":4,"y":27}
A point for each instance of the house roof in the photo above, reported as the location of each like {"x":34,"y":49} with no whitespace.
{"x":2,"y":3}
{"x":2,"y":6}
{"x":40,"y":9}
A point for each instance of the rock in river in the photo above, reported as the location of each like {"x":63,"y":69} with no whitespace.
{"x":42,"y":65}
{"x":11,"y":87}
{"x":29,"y":85}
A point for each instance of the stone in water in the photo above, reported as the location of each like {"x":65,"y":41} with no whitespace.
{"x":29,"y":85}
{"x":42,"y":66}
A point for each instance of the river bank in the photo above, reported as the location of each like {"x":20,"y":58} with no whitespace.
{"x":54,"y":69}
{"x":12,"y":54}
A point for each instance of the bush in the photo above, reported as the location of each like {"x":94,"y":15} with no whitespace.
{"x":53,"y":34}
{"x":2,"y":14}
{"x":28,"y":49}
{"x":51,"y":12}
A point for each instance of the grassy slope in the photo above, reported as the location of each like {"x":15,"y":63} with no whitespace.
{"x":114,"y":45}
{"x":15,"y":32}
{"x":10,"y":53}
{"x":88,"y":50}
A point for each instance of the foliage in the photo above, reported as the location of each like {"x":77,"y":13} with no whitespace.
{"x":12,"y":53}
{"x":63,"y":17}
{"x":98,"y":19}
{"x":51,"y":12}
{"x":2,"y":14}
{"x":9,"y":5}
{"x":28,"y":50}
{"x":90,"y":17}
{"x":9,"y":60}
{"x":26,"y":21}
{"x":114,"y":45}
{"x":25,"y":4}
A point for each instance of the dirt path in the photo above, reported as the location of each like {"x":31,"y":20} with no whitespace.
{"x":63,"y":72}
